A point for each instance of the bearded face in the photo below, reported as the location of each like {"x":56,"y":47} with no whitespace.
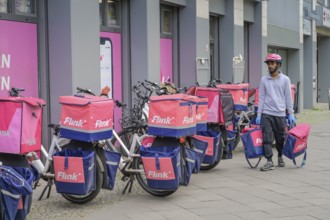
{"x":273,"y":66}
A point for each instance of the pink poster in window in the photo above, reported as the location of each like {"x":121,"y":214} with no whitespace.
{"x":18,"y":57}
{"x":111,"y":74}
{"x":166,"y":60}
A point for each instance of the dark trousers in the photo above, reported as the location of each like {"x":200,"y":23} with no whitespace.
{"x":273,"y":125}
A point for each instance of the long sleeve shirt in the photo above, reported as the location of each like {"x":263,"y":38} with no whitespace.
{"x":275,"y":95}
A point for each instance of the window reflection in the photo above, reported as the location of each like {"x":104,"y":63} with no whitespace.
{"x":4,"y":6}
{"x":166,"y":21}
{"x":113,"y":12}
{"x":25,"y":6}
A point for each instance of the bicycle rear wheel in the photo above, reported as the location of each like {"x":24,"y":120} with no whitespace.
{"x":142,"y":180}
{"x":82,"y":199}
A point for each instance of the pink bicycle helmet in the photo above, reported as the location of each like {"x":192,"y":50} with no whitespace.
{"x":273,"y":57}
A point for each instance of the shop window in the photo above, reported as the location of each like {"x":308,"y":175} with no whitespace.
{"x":166,"y":21}
{"x":110,"y":15}
{"x":25,"y":7}
{"x":19,"y":10}
{"x":4,"y":6}
{"x":18,"y":7}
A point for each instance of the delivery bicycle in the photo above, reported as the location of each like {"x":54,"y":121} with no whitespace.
{"x":129,"y":163}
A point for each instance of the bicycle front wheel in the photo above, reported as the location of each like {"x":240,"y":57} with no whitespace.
{"x":82,"y":199}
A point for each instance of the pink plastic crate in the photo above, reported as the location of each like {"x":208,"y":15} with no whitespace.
{"x":20,"y":124}
{"x":172,"y":115}
{"x":86,"y":118}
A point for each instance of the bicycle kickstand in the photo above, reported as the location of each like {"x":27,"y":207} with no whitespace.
{"x":49,"y":187}
{"x":129,"y":185}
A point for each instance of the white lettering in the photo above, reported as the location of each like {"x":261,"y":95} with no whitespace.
{"x":5,"y":82}
{"x":187,"y":120}
{"x":76,"y":123}
{"x":300,"y":146}
{"x":154,"y":174}
{"x":64,"y":176}
{"x":31,"y":142}
{"x":159,"y":120}
{"x":5,"y":61}
{"x":101,"y":124}
{"x":258,"y":141}
{"x":4,"y":133}
{"x":242,"y":100}
{"x":199,"y":116}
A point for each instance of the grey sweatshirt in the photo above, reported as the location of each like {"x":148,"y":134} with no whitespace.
{"x":275,"y":95}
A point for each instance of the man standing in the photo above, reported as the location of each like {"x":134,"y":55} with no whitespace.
{"x":274,"y":103}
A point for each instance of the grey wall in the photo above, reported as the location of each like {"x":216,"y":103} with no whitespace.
{"x":188,"y":38}
{"x":231,"y":39}
{"x":284,"y":14}
{"x":202,"y":40}
{"x":217,"y":7}
{"x":73,"y":49}
{"x":145,"y":40}
{"x":258,"y":48}
{"x":309,"y":72}
{"x":323,"y":81}
{"x":249,"y":13}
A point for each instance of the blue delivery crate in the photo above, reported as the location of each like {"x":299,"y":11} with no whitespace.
{"x":112,"y":160}
{"x":16,"y":190}
{"x":213,"y":140}
{"x":161,"y":166}
{"x":75,"y":171}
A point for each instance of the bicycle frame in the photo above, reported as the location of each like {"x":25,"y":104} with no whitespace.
{"x":136,"y":141}
{"x":44,"y":167}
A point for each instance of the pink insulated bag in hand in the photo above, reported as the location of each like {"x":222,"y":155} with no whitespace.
{"x":86,"y":118}
{"x":20,"y":124}
{"x":296,"y":142}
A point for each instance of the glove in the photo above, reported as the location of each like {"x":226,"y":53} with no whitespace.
{"x":292,"y":119}
{"x":258,"y":120}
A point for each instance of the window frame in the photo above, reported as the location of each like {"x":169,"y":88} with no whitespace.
{"x":12,"y":15}
{"x":104,"y":26}
{"x":163,"y":9}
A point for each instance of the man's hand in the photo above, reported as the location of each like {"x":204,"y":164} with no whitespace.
{"x":105,"y":91}
{"x":292,"y":119}
{"x":258,"y":120}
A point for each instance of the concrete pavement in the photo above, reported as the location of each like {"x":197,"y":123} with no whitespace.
{"x":232,"y":190}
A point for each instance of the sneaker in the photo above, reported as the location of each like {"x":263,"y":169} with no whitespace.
{"x":281,"y":162}
{"x":268,"y":166}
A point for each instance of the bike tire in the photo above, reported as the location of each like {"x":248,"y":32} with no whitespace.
{"x":218,"y":159}
{"x":82,"y":199}
{"x":137,"y":164}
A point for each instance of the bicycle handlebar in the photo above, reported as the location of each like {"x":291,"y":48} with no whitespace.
{"x":152,"y":84}
{"x":87,"y":91}
{"x":15,"y":92}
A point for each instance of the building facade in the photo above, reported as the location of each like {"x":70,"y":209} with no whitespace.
{"x":50,"y":47}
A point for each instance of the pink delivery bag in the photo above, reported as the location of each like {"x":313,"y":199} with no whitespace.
{"x":20,"y":124}
{"x":86,"y":118}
